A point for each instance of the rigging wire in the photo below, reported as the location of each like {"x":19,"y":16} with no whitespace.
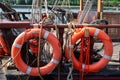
{"x":46,"y":7}
{"x":90,"y":6}
{"x":39,"y":53}
{"x":57,"y":14}
{"x":55,"y":5}
{"x":68,"y":14}
{"x":70,"y":76}
{"x":36,"y":17}
{"x":36,"y":11}
{"x":67,"y":3}
{"x":85,"y":11}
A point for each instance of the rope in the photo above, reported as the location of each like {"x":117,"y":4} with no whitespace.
{"x":55,"y":5}
{"x":36,"y":11}
{"x":70,"y":76}
{"x":90,"y":5}
{"x":69,"y":15}
{"x":88,"y":51}
{"x":64,"y":2}
{"x":46,"y":7}
{"x":3,"y":65}
{"x":57,"y":31}
{"x":84,"y":53}
{"x":39,"y":51}
{"x":81,"y":58}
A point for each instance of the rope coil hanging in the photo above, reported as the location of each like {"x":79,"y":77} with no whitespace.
{"x":70,"y":26}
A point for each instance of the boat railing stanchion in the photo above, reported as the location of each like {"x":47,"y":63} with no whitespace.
{"x":119,"y":60}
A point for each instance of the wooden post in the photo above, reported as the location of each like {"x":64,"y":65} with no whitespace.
{"x":100,"y":8}
{"x":81,"y":5}
{"x":119,"y":59}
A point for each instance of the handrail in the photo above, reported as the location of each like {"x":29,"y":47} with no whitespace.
{"x":20,"y":24}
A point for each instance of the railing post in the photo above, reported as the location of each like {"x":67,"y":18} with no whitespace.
{"x":81,"y":5}
{"x":119,"y":60}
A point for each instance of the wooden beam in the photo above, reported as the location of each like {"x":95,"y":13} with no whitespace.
{"x":81,"y":5}
{"x":100,"y":6}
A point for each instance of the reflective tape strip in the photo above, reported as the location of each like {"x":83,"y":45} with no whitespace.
{"x":107,"y":57}
{"x":83,"y":66}
{"x":96,"y":32}
{"x":55,"y":61}
{"x":35,"y":24}
{"x":46,"y":35}
{"x":17,"y":45}
{"x":71,"y":46}
{"x":28,"y":70}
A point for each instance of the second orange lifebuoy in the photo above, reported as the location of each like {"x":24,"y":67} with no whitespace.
{"x":108,"y":50}
{"x":3,"y":44}
{"x":33,"y":71}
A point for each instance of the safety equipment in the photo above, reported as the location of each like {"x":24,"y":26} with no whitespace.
{"x":3,"y":46}
{"x":108,"y":50}
{"x":32,"y":33}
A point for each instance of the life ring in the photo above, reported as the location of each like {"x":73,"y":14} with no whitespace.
{"x":108,"y":50}
{"x":3,"y":44}
{"x":33,"y":71}
{"x":2,"y":53}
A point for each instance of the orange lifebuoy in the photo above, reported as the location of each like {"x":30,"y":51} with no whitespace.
{"x":3,"y":44}
{"x":2,"y":53}
{"x":108,"y":50}
{"x":33,"y":71}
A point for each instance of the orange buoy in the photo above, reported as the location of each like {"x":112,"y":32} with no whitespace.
{"x":2,"y":53}
{"x":32,"y":33}
{"x":108,"y":50}
{"x":3,"y":44}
